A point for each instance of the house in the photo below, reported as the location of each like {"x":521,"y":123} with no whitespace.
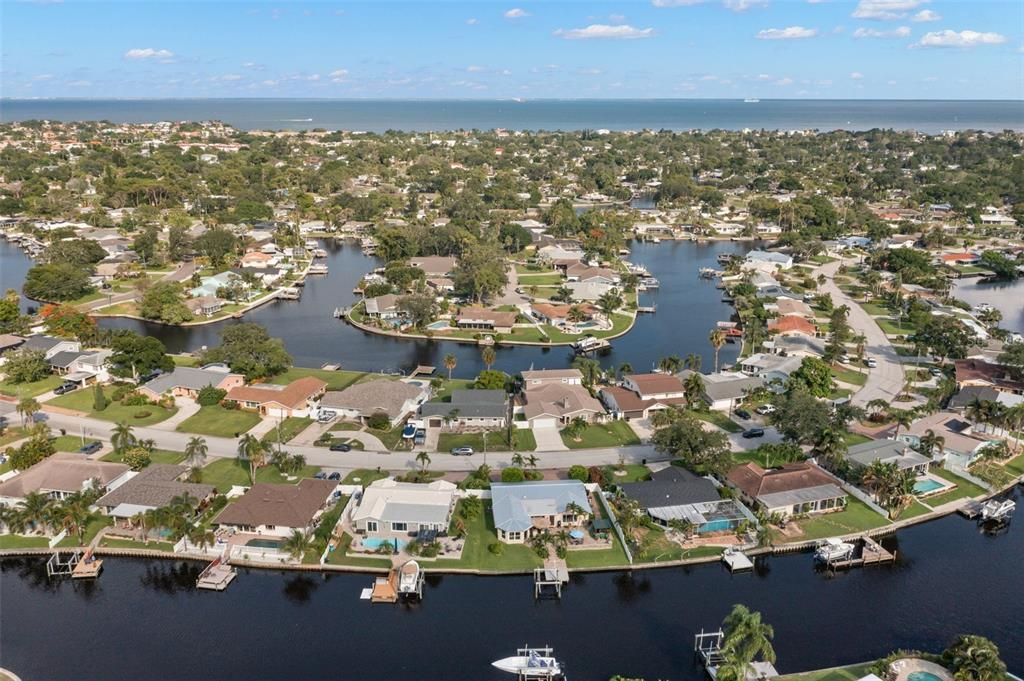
{"x":771,"y":368}
{"x":89,"y":367}
{"x":960,"y":258}
{"x":389,"y":507}
{"x":257,"y":259}
{"x":725,"y":391}
{"x":526,"y":509}
{"x":470,"y":409}
{"x":554,"y":254}
{"x":771,"y":258}
{"x":382,"y":307}
{"x":590,"y":291}
{"x":155,"y":486}
{"x":654,"y":386}
{"x":61,"y":362}
{"x":188,"y":381}
{"x":534,"y":378}
{"x":888,"y":451}
{"x":799,"y":346}
{"x":623,"y":403}
{"x":962,"y":444}
{"x":977,"y":372}
{"x":485,"y":320}
{"x":602,"y":275}
{"x":59,"y":476}
{"x":794,"y":489}
{"x":278,"y":510}
{"x":434,"y":265}
{"x":441,"y":284}
{"x":204,"y":306}
{"x":557,"y":315}
{"x":362,"y":400}
{"x":791,"y":325}
{"x":50,"y":345}
{"x":9,"y":342}
{"x":209,"y":286}
{"x":674,"y":495}
{"x":553,"y":398}
{"x":728,"y":228}
{"x":297,"y":398}
{"x":785,"y":307}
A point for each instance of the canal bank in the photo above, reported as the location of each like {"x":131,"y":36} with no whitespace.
{"x":922,"y":601}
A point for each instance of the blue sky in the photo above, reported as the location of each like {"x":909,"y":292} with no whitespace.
{"x":486,"y":49}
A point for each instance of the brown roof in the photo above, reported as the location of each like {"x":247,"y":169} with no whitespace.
{"x":755,"y":481}
{"x":627,"y":400}
{"x":494,"y":316}
{"x":294,"y":395}
{"x":651,"y":384}
{"x":555,"y":311}
{"x":61,"y":472}
{"x":791,"y":324}
{"x":7,"y":341}
{"x":978,"y":371}
{"x":281,"y":505}
{"x":156,"y":485}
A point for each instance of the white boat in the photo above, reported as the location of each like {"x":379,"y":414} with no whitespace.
{"x":833,"y":549}
{"x":408,"y":578}
{"x":531,"y":664}
{"x":998,"y":510}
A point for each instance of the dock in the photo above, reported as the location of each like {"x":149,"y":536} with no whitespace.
{"x":423,"y":370}
{"x":971,"y":510}
{"x":385,"y":589}
{"x":707,"y":646}
{"x":651,"y":309}
{"x":550,"y":578}
{"x":870,"y":553}
{"x":61,"y":564}
{"x":289,"y":293}
{"x":590,"y":344}
{"x":216,"y":576}
{"x":88,"y":567}
{"x":736,"y":560}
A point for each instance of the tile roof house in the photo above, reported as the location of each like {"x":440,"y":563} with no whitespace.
{"x":389,"y":506}
{"x":676,"y":494}
{"x":155,"y":486}
{"x":551,"y":403}
{"x":363,"y":400}
{"x":558,"y":314}
{"x":795,"y":488}
{"x":525,"y":509}
{"x":976,"y":372}
{"x":434,"y":265}
{"x":297,"y":398}
{"x":654,"y":386}
{"x":864,"y":454}
{"x":468,"y":408}
{"x":382,"y":307}
{"x":188,"y":381}
{"x":589,"y":291}
{"x":485,"y":320}
{"x":624,"y":403}
{"x":277,"y":510}
{"x":60,"y":475}
{"x":790,"y":325}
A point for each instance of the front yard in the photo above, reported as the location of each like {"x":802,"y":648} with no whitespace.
{"x":219,"y":422}
{"x":719,"y":419}
{"x":596,"y":435}
{"x":82,"y":400}
{"x":157,"y":456}
{"x":33,"y":389}
{"x":288,"y":429}
{"x":496,"y":441}
{"x":363,"y":476}
{"x":226,"y":473}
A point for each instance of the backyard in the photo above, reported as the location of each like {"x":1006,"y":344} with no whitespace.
{"x":335,"y":380}
{"x":82,"y":400}
{"x":476,"y":556}
{"x":217,"y":421}
{"x":856,"y":517}
{"x":964,"y":488}
{"x":596,"y":435}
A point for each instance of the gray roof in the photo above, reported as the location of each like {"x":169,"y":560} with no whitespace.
{"x":64,"y":358}
{"x":969,"y":393}
{"x":185,"y":377}
{"x":396,"y":511}
{"x":801,"y":496}
{"x":888,"y":451}
{"x":155,"y":486}
{"x":726,"y":388}
{"x":672,"y":486}
{"x":373,"y":396}
{"x":470,"y":404}
{"x":40,"y":342}
{"x":514,"y":504}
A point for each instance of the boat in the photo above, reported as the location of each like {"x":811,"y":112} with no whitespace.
{"x":589,"y":344}
{"x":529,"y":663}
{"x":317,"y":269}
{"x":409,"y":578}
{"x":707,"y":273}
{"x":319,"y":253}
{"x":833,"y":549}
{"x":725,"y":258}
{"x":998,"y":510}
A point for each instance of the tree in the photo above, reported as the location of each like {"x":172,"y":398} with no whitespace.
{"x":25,"y":366}
{"x":136,"y":457}
{"x":671,"y":364}
{"x":298,"y":544}
{"x":27,"y":409}
{"x":747,"y":639}
{"x":122,"y":437}
{"x":216,"y":244}
{"x":164,"y":302}
{"x":33,"y":510}
{"x":800,"y":417}
{"x":693,"y":388}
{"x":974,"y":658}
{"x":99,"y":398}
{"x":36,"y":448}
{"x":418,"y":308}
{"x":491,"y":379}
{"x":929,"y":444}
{"x":488,"y":355}
{"x":578,"y":472}
{"x":79,"y":252}
{"x":423,"y":459}
{"x":685,"y":438}
{"x":944,"y":335}
{"x":135,"y":355}
{"x":450,"y":362}
{"x":576,"y":428}
{"x":1013,"y":357}
{"x":480,"y":272}
{"x":903,"y":419}
{"x":248,"y":349}
{"x":693,"y":361}
{"x":252,"y":453}
{"x":57,"y":282}
{"x":814,"y":375}
{"x":609,"y":302}
{"x":195,"y":452}
{"x":68,"y":322}
{"x":717,"y":340}
{"x":208,"y":396}
{"x":590,"y":368}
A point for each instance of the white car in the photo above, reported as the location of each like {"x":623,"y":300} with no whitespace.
{"x":765,"y":409}
{"x":871,"y":362}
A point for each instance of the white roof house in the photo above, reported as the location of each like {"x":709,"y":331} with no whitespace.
{"x":524,"y":508}
{"x":391,"y":506}
{"x":771,"y":257}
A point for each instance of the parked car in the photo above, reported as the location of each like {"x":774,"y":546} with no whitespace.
{"x":334,"y":476}
{"x":743,"y":414}
{"x":765,"y":409}
{"x":320,"y":476}
{"x":150,"y":376}
{"x":753,"y":432}
{"x":871,"y":362}
{"x":845,"y":359}
{"x":326,"y":416}
{"x":935,"y":371}
{"x":91,"y":448}
{"x":462,"y":451}
{"x":65,"y":388}
{"x":341,"y":447}
{"x":421,"y":437}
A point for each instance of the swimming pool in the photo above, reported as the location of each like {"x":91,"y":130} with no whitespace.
{"x":374,"y":543}
{"x":439,"y":325}
{"x":927,"y":486}
{"x":264,"y":543}
{"x":922,"y":676}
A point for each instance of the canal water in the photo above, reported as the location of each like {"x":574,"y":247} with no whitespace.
{"x":687,"y":309}
{"x":1005,"y":296}
{"x":144,"y":619}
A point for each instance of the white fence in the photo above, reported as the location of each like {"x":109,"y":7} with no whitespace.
{"x":58,"y":538}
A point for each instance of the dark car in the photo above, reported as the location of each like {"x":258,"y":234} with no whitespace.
{"x":91,"y":448}
{"x":743,"y":414}
{"x":150,"y":376}
{"x":753,"y":432}
{"x":334,"y":476}
{"x":320,"y":476}
{"x":341,"y":447}
{"x":64,"y":388}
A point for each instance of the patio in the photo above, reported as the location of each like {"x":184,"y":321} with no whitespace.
{"x":902,"y":670}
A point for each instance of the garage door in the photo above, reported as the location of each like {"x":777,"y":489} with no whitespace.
{"x":545,"y":423}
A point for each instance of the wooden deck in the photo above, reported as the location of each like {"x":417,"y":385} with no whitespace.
{"x":216,"y":576}
{"x":870,"y":553}
{"x":385,"y":589}
{"x":88,"y":567}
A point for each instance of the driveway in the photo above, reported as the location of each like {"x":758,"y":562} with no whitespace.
{"x":185,"y":407}
{"x":885,"y":381}
{"x":549,"y":440}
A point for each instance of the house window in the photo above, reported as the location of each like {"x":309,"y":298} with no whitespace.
{"x":371,"y":525}
{"x":398,"y":527}
{"x":271,"y":527}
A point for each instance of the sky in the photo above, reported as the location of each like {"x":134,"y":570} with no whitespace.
{"x":831,"y":49}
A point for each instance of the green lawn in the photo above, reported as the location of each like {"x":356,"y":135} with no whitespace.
{"x":915,"y":509}
{"x":184,"y":360}
{"x":1015,"y":466}
{"x":849,"y":375}
{"x":659,"y":550}
{"x":112,"y":543}
{"x":496,"y":441}
{"x":225,"y":473}
{"x":475,"y":554}
{"x":16,"y":541}
{"x":876,"y":310}
{"x":336,"y":380}
{"x":363,"y":476}
{"x":91,"y":530}
{"x":81,"y":400}
{"x":856,"y":517}
{"x":346,"y":425}
{"x":634,"y":472}
{"x":850,"y":673}
{"x":444,"y":394}
{"x":391,"y":438}
{"x":539,"y":279}
{"x":719,"y":419}
{"x":33,"y":389}
{"x":620,"y":323}
{"x":598,"y":558}
{"x":339,"y":556}
{"x":964,"y":488}
{"x":891,"y":328}
{"x":158,"y":456}
{"x":852,"y":439}
{"x":611,"y":434}
{"x":288,"y":429}
{"x":219,"y":422}
{"x":70,"y":443}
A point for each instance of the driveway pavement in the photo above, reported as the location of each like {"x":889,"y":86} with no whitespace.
{"x":185,"y":407}
{"x":549,"y":440}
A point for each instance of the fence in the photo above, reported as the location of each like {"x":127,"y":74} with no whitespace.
{"x":615,"y":521}
{"x":58,"y":538}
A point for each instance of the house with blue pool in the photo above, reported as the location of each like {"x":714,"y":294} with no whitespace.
{"x":675,"y":496}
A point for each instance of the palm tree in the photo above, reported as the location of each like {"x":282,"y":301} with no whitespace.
{"x":517,"y":460}
{"x":450,"y":363}
{"x":902,"y":418}
{"x":195,"y":452}
{"x":831,"y":446}
{"x":576,"y":314}
{"x":717,"y":340}
{"x":531,"y":461}
{"x":121,"y":437}
{"x":488,"y":356}
{"x":671,"y":364}
{"x":625,"y":369}
{"x":746,"y":640}
{"x":974,"y":658}
{"x":253,"y":453}
{"x":423,"y":459}
{"x":27,"y":408}
{"x":609,"y":302}
{"x":201,"y":537}
{"x":575,"y":428}
{"x":877,"y":405}
{"x":693,"y":387}
{"x":73,"y":515}
{"x":929,"y":443}
{"x":33,"y":509}
{"x":693,"y":361}
{"x":297,"y":544}
{"x":590,"y":368}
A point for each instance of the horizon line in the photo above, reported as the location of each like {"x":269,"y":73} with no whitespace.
{"x":517,"y":100}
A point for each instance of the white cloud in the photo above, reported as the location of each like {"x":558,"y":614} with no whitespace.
{"x":885,"y":10}
{"x":472,"y":21}
{"x":949,"y":38}
{"x":231,"y":76}
{"x":675,"y":3}
{"x":80,"y":83}
{"x":269,"y":83}
{"x":473,"y":68}
{"x":516,"y":13}
{"x":856,"y":75}
{"x":784,"y":81}
{"x":605,"y":32}
{"x":764,"y":76}
{"x":788,"y":33}
{"x":901,"y":32}
{"x":338,"y":73}
{"x":148,"y":53}
{"x":743,"y":5}
{"x":890,"y":82}
{"x":43,"y":76}
{"x":926,"y":15}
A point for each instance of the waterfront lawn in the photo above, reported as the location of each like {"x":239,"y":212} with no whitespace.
{"x":226,"y":473}
{"x":444,"y":394}
{"x":17,"y":541}
{"x":598,"y":558}
{"x":612,"y":434}
{"x":964,"y":488}
{"x":915,"y":509}
{"x":476,"y":556}
{"x":496,"y":441}
{"x":31,"y":389}
{"x":849,"y":673}
{"x":335,"y":380}
{"x":157,"y":456}
{"x":620,"y":324}
{"x":856,"y":517}
{"x":70,"y":443}
{"x":184,"y":360}
{"x":91,"y":530}
{"x":719,"y":419}
{"x":339,"y":556}
{"x":289,"y":428}
{"x":849,"y":375}
{"x":1015,"y":466}
{"x":112,"y":543}
{"x":81,"y":400}
{"x":363,"y":476}
{"x":217,"y":421}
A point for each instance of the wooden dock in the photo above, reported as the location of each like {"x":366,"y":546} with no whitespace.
{"x":870,"y":553}
{"x":216,"y":576}
{"x":647,"y":308}
{"x":385,"y":589}
{"x":88,"y":567}
{"x":736,"y":560}
{"x":972,"y":509}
